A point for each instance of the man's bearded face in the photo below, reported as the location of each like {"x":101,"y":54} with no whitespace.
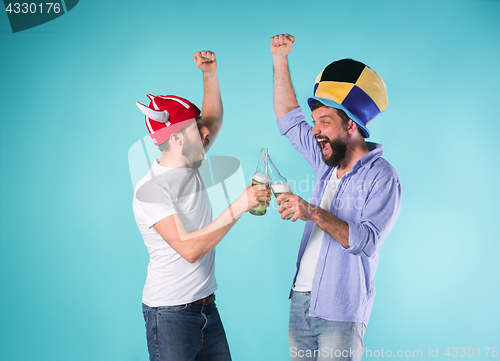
{"x":193,"y":149}
{"x":333,"y":150}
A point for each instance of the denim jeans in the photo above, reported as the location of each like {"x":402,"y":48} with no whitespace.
{"x":313,"y":338}
{"x":185,"y":333}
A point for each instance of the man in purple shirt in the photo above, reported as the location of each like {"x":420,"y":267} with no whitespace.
{"x":356,"y":200}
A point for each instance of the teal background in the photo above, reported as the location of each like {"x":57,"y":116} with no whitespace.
{"x":73,"y":262}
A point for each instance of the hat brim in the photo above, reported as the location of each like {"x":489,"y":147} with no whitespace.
{"x":163,"y":134}
{"x":333,"y":104}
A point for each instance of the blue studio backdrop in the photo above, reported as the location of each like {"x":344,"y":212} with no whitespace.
{"x":72,"y":261}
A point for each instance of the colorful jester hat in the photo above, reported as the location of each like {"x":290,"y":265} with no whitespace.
{"x":166,"y":115}
{"x":353,"y":87}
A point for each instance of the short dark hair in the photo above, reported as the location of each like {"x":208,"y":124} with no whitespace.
{"x":315,"y":104}
{"x":165,"y":146}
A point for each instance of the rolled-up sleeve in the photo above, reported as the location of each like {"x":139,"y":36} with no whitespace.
{"x":293,"y":125}
{"x":380,"y":211}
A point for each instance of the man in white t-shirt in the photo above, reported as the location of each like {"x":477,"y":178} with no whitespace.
{"x":174,"y":216}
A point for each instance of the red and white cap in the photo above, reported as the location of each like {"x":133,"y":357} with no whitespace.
{"x":166,"y":115}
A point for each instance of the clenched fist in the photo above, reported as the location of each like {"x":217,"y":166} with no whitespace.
{"x":282,"y":44}
{"x":205,"y":61}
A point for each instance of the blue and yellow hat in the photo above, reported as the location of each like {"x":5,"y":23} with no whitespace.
{"x":353,"y":87}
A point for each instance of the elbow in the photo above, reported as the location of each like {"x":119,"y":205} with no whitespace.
{"x":190,"y":252}
{"x":370,"y":246}
{"x":192,"y":256}
{"x":369,"y":252}
{"x":366,"y":247}
{"x":365,"y":252}
{"x":370,"y":249}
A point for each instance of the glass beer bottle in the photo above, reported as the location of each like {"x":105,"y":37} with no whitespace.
{"x":261,"y":177}
{"x":279,"y":184}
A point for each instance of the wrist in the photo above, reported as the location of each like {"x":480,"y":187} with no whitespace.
{"x":211,"y":73}
{"x":280,"y":59}
{"x":239,"y":206}
{"x":316,"y":214}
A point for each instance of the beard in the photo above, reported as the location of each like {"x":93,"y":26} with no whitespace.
{"x":338,"y":149}
{"x":193,"y":154}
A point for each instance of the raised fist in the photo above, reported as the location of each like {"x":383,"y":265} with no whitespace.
{"x":282,"y":44}
{"x":205,"y":61}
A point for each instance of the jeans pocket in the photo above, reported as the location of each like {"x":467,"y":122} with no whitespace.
{"x":172,"y":309}
{"x":361,"y":328}
{"x":145,"y":313}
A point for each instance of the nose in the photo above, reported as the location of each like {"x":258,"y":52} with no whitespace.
{"x":316,"y":130}
{"x":204,"y":132}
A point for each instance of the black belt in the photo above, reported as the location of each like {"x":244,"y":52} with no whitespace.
{"x":207,"y":300}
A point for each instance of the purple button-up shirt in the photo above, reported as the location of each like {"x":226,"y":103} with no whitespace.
{"x":368,"y":198}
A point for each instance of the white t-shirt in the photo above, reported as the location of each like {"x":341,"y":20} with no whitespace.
{"x":172,"y":280}
{"x":309,"y":259}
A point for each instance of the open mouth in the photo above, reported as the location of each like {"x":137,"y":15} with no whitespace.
{"x":325,"y":145}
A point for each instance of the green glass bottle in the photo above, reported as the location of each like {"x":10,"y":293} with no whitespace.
{"x":279,"y":184}
{"x":261,"y":177}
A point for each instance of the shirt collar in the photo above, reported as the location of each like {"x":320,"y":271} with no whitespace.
{"x":375,"y":152}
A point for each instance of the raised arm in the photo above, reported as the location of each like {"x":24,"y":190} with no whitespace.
{"x":192,"y":246}
{"x":284,"y":99}
{"x":211,"y":109}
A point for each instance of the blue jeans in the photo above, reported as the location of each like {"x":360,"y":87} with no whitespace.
{"x":313,"y":338}
{"x":185,"y":333}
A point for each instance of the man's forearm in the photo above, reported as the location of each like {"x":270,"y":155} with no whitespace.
{"x":201,"y":241}
{"x":192,"y":246}
{"x":284,"y":99}
{"x":335,"y":227}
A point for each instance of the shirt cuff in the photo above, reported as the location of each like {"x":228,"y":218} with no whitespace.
{"x":354,"y":234}
{"x":290,"y":119}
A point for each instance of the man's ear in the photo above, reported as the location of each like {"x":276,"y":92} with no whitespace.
{"x":352,"y":127}
{"x":177,"y":138}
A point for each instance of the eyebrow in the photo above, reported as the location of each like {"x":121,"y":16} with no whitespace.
{"x":322,"y":117}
